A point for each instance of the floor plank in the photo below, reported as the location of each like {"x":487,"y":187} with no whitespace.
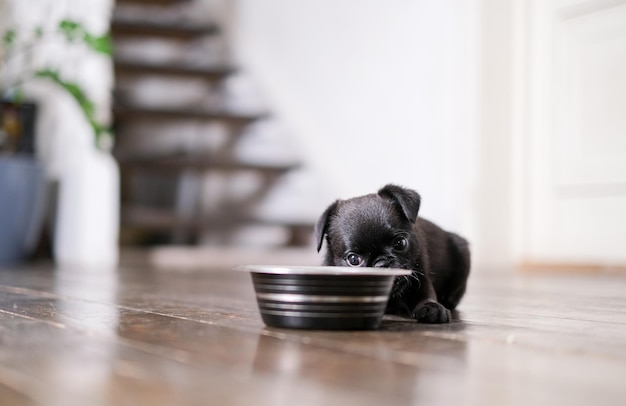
{"x":140,"y":335}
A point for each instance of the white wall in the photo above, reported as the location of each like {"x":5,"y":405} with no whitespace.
{"x":499,"y":143}
{"x":374,"y":92}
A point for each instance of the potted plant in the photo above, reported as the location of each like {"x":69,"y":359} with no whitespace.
{"x":82,"y":234}
{"x":18,"y":50}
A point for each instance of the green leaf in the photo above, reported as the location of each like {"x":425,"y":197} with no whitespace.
{"x":9,"y":37}
{"x":101,"y":44}
{"x":18,"y":95}
{"x":74,"y":31}
{"x":86,"y":105}
{"x":71,"y":29}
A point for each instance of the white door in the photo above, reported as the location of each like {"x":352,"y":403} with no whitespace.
{"x":575,"y":115}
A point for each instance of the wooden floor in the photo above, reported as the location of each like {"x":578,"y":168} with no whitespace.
{"x":146,"y":336}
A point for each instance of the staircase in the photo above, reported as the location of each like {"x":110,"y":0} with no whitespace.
{"x":178,"y":133}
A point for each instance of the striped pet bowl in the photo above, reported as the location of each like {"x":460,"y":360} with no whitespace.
{"x":322,"y":297}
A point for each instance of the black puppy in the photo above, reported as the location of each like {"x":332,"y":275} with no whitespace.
{"x":382,"y":230}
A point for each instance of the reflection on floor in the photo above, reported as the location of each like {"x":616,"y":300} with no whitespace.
{"x":151,"y":335}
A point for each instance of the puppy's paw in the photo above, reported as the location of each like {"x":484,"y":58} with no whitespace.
{"x":432,"y":312}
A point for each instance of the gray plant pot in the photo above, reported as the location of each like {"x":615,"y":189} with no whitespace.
{"x":22,"y":207}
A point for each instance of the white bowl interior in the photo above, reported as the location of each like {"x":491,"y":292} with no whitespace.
{"x":321,"y":270}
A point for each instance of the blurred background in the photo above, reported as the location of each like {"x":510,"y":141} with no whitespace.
{"x":222,"y":124}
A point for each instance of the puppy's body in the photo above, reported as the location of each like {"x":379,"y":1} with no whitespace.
{"x":383,"y":230}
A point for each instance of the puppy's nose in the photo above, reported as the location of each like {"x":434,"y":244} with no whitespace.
{"x":381,"y":263}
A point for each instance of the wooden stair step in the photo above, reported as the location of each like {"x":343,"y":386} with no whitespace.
{"x":181,"y":162}
{"x":174,"y":30}
{"x":166,"y":219}
{"x":170,"y":69}
{"x":151,"y":219}
{"x":154,"y":2}
{"x":132,"y":112}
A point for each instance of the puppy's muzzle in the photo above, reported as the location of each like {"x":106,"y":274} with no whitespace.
{"x":382,"y":263}
{"x":388,"y":261}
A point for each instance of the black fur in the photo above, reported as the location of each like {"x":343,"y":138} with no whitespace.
{"x":371,"y":228}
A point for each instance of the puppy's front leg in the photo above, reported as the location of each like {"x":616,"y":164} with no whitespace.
{"x":428,"y":310}
{"x":419,"y":301}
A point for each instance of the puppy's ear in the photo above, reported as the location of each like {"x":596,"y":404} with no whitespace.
{"x":408,"y":200}
{"x":322,"y":224}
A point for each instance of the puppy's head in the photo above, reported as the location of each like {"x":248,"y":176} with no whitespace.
{"x":374,"y":230}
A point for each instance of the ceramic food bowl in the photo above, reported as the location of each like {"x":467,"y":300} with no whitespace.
{"x":322,"y":297}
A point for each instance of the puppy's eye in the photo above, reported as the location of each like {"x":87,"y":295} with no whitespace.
{"x":354,"y":260}
{"x":400,"y":244}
